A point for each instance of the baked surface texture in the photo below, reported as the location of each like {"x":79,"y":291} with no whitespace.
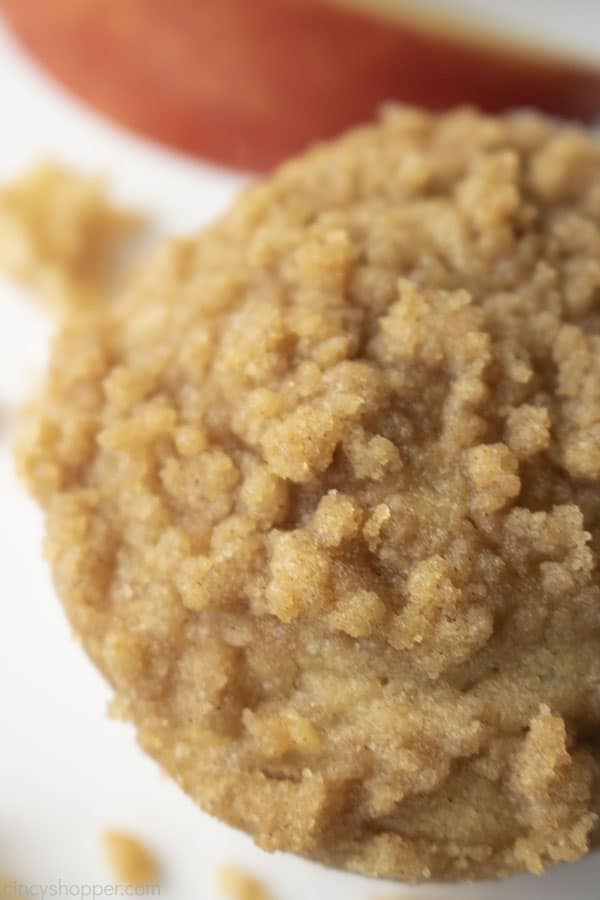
{"x":322,"y":491}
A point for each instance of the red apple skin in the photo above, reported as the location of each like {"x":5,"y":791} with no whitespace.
{"x":250,"y":82}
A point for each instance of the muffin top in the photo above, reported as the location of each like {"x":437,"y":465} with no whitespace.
{"x":322,"y":499}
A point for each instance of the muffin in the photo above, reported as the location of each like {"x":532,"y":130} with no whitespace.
{"x":322,"y":499}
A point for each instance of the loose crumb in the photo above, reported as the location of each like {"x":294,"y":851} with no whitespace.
{"x":131,"y":861}
{"x":237,"y":884}
{"x":60,"y":234}
{"x":10,"y":888}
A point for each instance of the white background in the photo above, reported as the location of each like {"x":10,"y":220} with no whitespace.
{"x":66,"y":771}
{"x":572,"y":25}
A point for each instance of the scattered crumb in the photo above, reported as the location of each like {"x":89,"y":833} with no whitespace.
{"x":60,"y":234}
{"x":233,"y":882}
{"x":9,"y":887}
{"x":130,"y":860}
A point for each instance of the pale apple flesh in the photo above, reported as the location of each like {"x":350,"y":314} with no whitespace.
{"x":250,"y":83}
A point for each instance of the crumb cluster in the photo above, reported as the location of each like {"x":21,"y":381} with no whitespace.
{"x":60,"y":233}
{"x":238,"y":884}
{"x":130,"y":860}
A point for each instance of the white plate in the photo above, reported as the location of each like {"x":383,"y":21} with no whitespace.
{"x":66,"y":771}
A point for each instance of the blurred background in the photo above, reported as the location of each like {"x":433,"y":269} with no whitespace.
{"x":248,"y":84}
{"x":178,"y":103}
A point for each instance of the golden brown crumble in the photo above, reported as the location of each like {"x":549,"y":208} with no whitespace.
{"x":234,"y":882}
{"x":130,"y":860}
{"x":7,"y":886}
{"x":322,"y":499}
{"x":59,"y":233}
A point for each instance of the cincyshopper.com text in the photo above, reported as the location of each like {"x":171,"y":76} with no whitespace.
{"x":20,"y":890}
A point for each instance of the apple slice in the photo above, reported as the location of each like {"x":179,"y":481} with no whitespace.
{"x":249,"y":82}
